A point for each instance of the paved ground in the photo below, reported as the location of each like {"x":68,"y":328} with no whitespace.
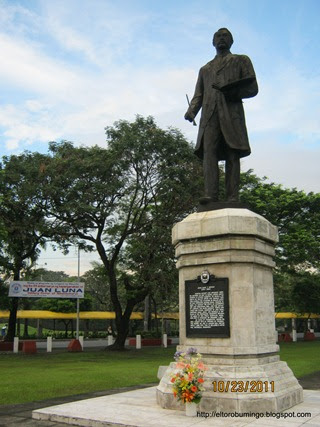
{"x":138,"y":408}
{"x":21,"y":415}
{"x":311,"y":382}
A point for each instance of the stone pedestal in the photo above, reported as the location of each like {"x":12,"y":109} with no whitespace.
{"x":239,"y":245}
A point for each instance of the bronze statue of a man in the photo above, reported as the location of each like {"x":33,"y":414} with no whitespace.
{"x":221,"y":86}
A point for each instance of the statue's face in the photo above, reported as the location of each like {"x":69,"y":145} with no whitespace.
{"x":222,"y":40}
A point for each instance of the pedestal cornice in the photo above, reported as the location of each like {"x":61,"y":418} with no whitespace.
{"x":224,"y":222}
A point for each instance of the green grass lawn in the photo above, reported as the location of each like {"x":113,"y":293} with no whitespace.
{"x":26,"y":378}
{"x":302,"y":357}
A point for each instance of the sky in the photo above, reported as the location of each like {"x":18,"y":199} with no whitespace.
{"x":71,"y":68}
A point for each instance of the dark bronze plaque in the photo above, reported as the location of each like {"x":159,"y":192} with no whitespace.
{"x":207,"y":308}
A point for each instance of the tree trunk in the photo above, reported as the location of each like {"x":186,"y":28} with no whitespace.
{"x":122,"y":319}
{"x":12,"y":320}
{"x":13,"y":312}
{"x":147,"y":314}
{"x":120,"y":341}
{"x":122,"y":325}
{"x":156,"y":315}
{"x":122,"y":322}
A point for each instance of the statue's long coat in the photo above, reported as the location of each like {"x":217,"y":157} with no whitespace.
{"x":222,"y":71}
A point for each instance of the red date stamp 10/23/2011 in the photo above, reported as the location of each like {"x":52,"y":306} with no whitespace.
{"x":243,"y":386}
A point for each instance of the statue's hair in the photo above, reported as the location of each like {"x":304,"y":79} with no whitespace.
{"x":220,"y":29}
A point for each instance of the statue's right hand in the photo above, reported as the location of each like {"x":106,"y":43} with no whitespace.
{"x":188,"y":117}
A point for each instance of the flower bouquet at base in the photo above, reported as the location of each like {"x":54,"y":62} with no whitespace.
{"x":187,"y":383}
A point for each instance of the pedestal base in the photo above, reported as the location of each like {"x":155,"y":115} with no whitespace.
{"x":256,"y":384}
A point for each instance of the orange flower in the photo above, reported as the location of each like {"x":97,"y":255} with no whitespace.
{"x":194,"y":388}
{"x":172,"y":380}
{"x":187,"y":396}
{"x":200,"y":380}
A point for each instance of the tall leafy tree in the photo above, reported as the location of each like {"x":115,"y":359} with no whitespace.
{"x":298,"y":292}
{"x":44,"y":275}
{"x":306,"y":283}
{"x":146,"y":177}
{"x":97,"y":285}
{"x":150,"y":259}
{"x":4,"y":299}
{"x":23,"y":219}
{"x":297,"y":216}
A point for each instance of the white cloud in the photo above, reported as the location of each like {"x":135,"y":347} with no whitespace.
{"x":72,"y":40}
{"x":16,"y":19}
{"x":29,"y":70}
{"x":291,"y":165}
{"x":287,"y":102}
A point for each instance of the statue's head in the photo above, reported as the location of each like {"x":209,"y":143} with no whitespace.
{"x":222,"y":39}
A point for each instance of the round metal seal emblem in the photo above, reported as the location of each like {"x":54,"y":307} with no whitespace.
{"x":205,"y":277}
